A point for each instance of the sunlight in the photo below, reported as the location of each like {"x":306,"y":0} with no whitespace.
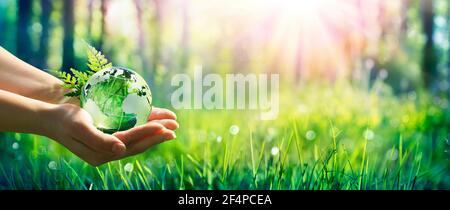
{"x":319,"y":37}
{"x":300,"y":9}
{"x":310,"y":38}
{"x":121,"y":18}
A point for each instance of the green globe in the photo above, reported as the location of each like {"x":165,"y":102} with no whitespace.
{"x":117,"y":99}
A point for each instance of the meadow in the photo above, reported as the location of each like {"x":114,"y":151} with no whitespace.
{"x":340,"y":137}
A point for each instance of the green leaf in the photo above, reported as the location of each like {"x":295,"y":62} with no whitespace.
{"x":82,"y":77}
{"x":76,"y":79}
{"x":73,"y":94}
{"x":96,"y":60}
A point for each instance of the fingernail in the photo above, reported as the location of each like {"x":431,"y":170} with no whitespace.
{"x":118,"y":148}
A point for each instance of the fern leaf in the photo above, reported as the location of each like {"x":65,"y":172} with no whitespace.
{"x":75,"y":93}
{"x":96,"y":60}
{"x":75,"y":80}
{"x":82,"y":77}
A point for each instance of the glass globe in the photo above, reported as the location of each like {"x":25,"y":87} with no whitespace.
{"x":117,"y":99}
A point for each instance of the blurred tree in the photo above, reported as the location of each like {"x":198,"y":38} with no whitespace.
{"x":24,"y":49}
{"x":404,"y":18}
{"x":429,"y":60}
{"x":46,"y":6}
{"x":155,"y":25}
{"x":141,"y":36}
{"x":448,"y":31}
{"x":68,"y":24}
{"x":185,"y":35}
{"x":448,"y":54}
{"x":104,"y":11}
{"x":298,"y":68}
{"x":90,"y":16}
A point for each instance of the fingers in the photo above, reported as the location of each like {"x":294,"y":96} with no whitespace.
{"x":97,"y":140}
{"x":84,"y":152}
{"x":138,"y":139}
{"x":139,"y":132}
{"x":144,"y":144}
{"x":167,"y":123}
{"x":160,"y":113}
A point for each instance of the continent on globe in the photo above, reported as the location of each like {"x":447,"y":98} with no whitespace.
{"x":117,"y":99}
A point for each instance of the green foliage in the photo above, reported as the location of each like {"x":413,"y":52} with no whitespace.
{"x":96,"y":60}
{"x":75,"y":80}
{"x":397,"y":155}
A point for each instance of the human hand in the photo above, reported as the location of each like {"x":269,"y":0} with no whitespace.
{"x":159,"y":128}
{"x":72,"y":127}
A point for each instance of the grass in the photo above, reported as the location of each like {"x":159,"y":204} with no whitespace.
{"x":339,"y":137}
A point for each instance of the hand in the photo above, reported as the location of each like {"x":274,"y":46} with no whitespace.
{"x":160,"y":127}
{"x":72,"y":127}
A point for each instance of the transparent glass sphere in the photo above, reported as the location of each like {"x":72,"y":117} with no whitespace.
{"x":117,"y":99}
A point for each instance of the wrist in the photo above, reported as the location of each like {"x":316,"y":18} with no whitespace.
{"x":54,"y":93}
{"x":45,"y":119}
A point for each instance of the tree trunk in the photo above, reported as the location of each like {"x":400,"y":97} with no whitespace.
{"x":404,"y":24}
{"x":298,"y":65}
{"x":185,"y":36}
{"x":46,"y":6}
{"x":141,"y":38}
{"x":448,"y":54}
{"x":156,"y":38}
{"x":90,"y":17}
{"x":24,"y":44}
{"x":68,"y":21}
{"x":104,"y":11}
{"x":429,"y":60}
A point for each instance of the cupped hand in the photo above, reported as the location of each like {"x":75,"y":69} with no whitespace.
{"x":159,"y":128}
{"x":73,"y":127}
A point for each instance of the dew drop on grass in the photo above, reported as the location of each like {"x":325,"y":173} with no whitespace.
{"x":15,"y":145}
{"x":369,"y":134}
{"x":128,"y":167}
{"x":234,"y":130}
{"x":412,"y":96}
{"x":272,"y":131}
{"x":302,"y":109}
{"x":383,"y":74}
{"x":274,"y":151}
{"x":201,"y":135}
{"x":52,"y":165}
{"x":310,"y":135}
{"x":212,"y":135}
{"x":392,"y":154}
{"x":219,"y":139}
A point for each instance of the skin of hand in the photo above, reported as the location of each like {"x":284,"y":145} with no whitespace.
{"x":33,"y":102}
{"x":76,"y":132}
{"x":19,"y":77}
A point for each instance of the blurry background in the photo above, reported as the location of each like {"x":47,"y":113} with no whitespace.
{"x":407,"y":41}
{"x":368,"y":75}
